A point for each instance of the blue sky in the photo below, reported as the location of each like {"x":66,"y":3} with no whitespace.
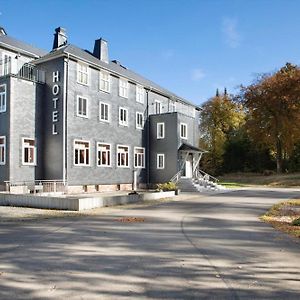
{"x":190,"y":47}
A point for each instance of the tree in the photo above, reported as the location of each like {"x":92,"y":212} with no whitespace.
{"x":218,"y":117}
{"x":272,"y":104}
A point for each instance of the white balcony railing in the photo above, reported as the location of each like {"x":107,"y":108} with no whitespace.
{"x":21,"y":69}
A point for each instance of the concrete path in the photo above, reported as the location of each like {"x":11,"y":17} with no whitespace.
{"x":211,"y":247}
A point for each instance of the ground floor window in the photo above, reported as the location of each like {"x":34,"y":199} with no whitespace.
{"x":103,"y":155}
{"x":81,"y":153}
{"x":2,"y":150}
{"x":123,"y":156}
{"x":28,"y":151}
{"x":160,"y":161}
{"x":139,"y":157}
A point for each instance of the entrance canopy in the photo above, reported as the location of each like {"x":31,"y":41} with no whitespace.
{"x":190,"y":157}
{"x":190,"y":148}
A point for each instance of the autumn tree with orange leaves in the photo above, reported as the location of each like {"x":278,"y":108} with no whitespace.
{"x":272,"y":106}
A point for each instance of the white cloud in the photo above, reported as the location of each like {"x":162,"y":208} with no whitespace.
{"x":229,"y":29}
{"x":197,"y":74}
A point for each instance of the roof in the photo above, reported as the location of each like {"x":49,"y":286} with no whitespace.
{"x":188,"y":147}
{"x":19,"y":46}
{"x":113,"y":67}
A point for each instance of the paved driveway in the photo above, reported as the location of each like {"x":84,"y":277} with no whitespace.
{"x":211,"y":247}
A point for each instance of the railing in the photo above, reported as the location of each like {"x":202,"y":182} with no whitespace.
{"x":176,"y":177}
{"x":36,"y":186}
{"x":21,"y":69}
{"x":205,"y":176}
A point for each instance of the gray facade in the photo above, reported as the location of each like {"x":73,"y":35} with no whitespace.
{"x":62,"y":114}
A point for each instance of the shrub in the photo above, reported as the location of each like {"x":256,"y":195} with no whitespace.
{"x":296,"y":222}
{"x":167,"y":186}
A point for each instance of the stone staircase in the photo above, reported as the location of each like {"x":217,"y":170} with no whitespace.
{"x":198,"y":185}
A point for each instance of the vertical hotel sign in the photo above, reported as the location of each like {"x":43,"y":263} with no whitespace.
{"x":55,"y":101}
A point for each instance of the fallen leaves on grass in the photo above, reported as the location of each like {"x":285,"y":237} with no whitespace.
{"x":282,"y":215}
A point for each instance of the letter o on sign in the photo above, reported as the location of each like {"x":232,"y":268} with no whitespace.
{"x":55,"y":90}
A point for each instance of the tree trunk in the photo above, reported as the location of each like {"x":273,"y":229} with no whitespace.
{"x":279,"y":155}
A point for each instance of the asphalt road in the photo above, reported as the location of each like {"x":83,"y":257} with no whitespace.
{"x":211,"y":247}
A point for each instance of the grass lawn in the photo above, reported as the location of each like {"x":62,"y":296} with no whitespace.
{"x":282,"y":215}
{"x":252,"y":179}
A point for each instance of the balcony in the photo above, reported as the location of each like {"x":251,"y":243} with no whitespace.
{"x":21,"y":69}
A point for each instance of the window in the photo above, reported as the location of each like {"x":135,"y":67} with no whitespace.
{"x":139,"y":120}
{"x":139,"y":157}
{"x":123,"y":116}
{"x":2,"y":98}
{"x":82,"y":107}
{"x":82,"y":73}
{"x":104,"y":112}
{"x":140,"y":95}
{"x":104,"y":81}
{"x":103,"y":155}
{"x":160,"y":161}
{"x":183,"y":130}
{"x":123,"y":156}
{"x":81,"y":153}
{"x":172,"y":106}
{"x":6,"y":64}
{"x":2,"y":150}
{"x":123,"y":88}
{"x":157,"y":107}
{"x":28,"y":152}
{"x":160,"y":130}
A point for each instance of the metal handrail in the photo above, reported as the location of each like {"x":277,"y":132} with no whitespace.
{"x":176,"y":177}
{"x":203,"y":174}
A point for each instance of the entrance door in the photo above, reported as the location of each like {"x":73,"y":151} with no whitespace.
{"x":188,"y":170}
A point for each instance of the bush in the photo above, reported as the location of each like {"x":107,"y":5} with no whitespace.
{"x":167,"y":186}
{"x":296,"y":222}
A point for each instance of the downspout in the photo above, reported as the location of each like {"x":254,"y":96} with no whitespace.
{"x":148,"y":141}
{"x":66,"y":79}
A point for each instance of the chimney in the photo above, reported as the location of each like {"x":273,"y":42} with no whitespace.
{"x":2,"y":31}
{"x":60,"y":38}
{"x":101,"y":50}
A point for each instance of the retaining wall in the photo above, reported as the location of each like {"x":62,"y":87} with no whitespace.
{"x":78,"y":204}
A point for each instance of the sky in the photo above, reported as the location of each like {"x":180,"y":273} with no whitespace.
{"x":190,"y":47}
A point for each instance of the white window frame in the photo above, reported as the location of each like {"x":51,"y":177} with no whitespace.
{"x":78,"y":114}
{"x":100,"y":112}
{"x":89,"y":154}
{"x":108,"y":153}
{"x":29,"y":147}
{"x":81,"y":72}
{"x":122,"y":122}
{"x":123,"y":88}
{"x":137,"y":155}
{"x":104,"y":77}
{"x":157,"y":107}
{"x":182,"y":135}
{"x":158,"y":166}
{"x":137,"y":124}
{"x":158,"y":131}
{"x":172,"y":106}
{"x":140,"y":94}
{"x":7,"y":68}
{"x":128,"y":156}
{"x":3,"y":151}
{"x":3,"y":97}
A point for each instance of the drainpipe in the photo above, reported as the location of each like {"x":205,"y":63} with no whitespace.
{"x":148,"y":141}
{"x":66,"y":79}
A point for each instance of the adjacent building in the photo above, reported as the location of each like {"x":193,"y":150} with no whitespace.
{"x":73,"y":118}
